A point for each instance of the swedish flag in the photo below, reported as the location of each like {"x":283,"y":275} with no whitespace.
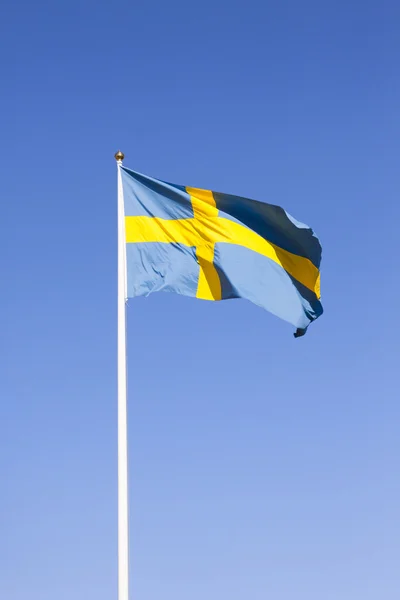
{"x":216,"y":246}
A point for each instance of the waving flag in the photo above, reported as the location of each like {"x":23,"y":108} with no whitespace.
{"x":216,"y":246}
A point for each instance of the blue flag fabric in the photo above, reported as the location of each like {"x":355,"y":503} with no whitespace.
{"x":217,"y":246}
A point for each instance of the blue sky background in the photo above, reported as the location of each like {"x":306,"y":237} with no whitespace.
{"x":260,"y":466}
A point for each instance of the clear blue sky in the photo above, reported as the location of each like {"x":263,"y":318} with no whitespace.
{"x":261,"y":467}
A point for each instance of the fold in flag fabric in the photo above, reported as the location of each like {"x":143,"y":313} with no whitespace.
{"x":216,"y":246}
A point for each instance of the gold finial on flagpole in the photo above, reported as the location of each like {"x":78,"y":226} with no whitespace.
{"x":119,"y":156}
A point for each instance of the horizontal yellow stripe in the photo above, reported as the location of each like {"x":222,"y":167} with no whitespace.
{"x":152,"y":229}
{"x":207,"y":230}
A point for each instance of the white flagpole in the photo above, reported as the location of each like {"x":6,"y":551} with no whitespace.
{"x":123,"y":563}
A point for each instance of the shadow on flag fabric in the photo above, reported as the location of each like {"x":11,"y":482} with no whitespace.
{"x":216,"y":246}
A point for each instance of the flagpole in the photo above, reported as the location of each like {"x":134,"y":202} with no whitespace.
{"x":123,"y":563}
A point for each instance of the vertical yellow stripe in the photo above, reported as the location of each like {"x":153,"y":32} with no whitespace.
{"x":203,"y":203}
{"x":209,"y":285}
